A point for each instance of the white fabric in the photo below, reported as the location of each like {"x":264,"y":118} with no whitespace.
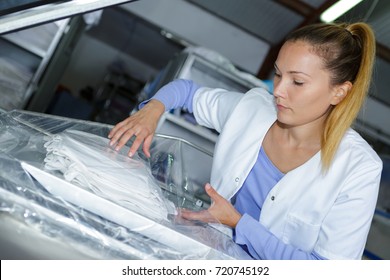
{"x":330,"y":213}
{"x":88,"y":161}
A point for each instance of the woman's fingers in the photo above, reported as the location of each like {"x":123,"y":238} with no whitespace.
{"x":115,"y":129}
{"x":220,"y":211}
{"x":138,"y":140}
{"x":147,"y":144}
{"x":121,"y":130}
{"x":212,"y":193}
{"x":124,"y":131}
{"x":203,"y":216}
{"x":140,"y":125}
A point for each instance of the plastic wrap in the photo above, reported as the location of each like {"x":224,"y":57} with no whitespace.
{"x":87,"y":160}
{"x":223,"y":62}
{"x":97,"y":225}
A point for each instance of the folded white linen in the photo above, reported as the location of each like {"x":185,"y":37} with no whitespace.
{"x":88,"y":161}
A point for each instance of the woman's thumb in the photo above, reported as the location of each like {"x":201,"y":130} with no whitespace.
{"x":211,"y":191}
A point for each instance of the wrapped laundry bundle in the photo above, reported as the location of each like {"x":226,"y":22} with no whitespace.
{"x":87,"y":160}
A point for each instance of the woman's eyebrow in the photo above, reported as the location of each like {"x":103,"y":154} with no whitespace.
{"x":299,"y":72}
{"x":292,"y":72}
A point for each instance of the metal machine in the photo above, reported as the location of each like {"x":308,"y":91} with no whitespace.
{"x":206,"y":68}
{"x":69,"y":221}
{"x":43,"y":216}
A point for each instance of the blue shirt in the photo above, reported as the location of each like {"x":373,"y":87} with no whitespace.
{"x":249,"y":232}
{"x":264,"y":175}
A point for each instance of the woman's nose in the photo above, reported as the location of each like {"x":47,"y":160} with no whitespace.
{"x":278,"y":89}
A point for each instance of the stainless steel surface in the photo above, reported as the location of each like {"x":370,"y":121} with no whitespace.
{"x":52,"y":12}
{"x":18,"y":240}
{"x":175,"y":127}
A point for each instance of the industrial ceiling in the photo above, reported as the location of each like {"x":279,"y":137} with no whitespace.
{"x":271,"y":21}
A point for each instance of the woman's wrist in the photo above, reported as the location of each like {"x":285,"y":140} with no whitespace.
{"x":155,"y":106}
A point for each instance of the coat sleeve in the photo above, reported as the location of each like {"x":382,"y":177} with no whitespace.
{"x":262,"y":244}
{"x":213,"y":107}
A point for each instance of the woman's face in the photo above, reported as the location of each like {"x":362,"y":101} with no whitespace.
{"x":302,"y":88}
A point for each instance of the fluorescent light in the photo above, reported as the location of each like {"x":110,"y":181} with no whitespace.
{"x":338,"y":9}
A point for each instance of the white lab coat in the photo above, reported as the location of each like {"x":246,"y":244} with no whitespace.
{"x":329,"y":213}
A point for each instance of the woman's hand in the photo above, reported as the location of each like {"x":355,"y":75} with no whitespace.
{"x":220,"y":211}
{"x":142,"y":125}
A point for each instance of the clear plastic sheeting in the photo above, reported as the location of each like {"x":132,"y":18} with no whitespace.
{"x":96,"y":224}
{"x":225,"y":63}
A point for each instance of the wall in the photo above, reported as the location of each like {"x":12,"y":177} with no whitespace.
{"x":204,"y":29}
{"x":89,"y":63}
{"x":374,"y":118}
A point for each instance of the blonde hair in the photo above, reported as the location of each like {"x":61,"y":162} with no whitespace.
{"x":348,"y":52}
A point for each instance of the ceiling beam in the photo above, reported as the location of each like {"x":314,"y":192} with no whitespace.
{"x":315,"y":16}
{"x":311,"y":15}
{"x":297,"y":6}
{"x":226,"y":19}
{"x":383,"y":51}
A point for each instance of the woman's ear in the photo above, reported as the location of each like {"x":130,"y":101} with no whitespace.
{"x":340,"y":92}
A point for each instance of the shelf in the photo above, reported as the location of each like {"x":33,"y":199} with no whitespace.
{"x":197,"y":129}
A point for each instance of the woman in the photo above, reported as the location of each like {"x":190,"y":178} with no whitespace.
{"x":291,"y":177}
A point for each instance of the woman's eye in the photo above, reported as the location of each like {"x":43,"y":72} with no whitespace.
{"x":298,"y":83}
{"x":277,"y":75}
